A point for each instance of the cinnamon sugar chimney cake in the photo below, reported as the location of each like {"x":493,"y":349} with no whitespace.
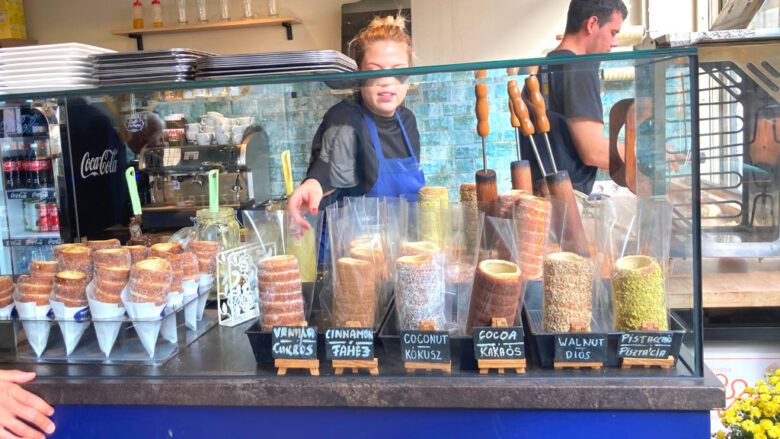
{"x":355,"y":296}
{"x":280,"y":292}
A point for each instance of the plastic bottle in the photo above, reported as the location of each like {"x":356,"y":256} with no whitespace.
{"x":138,"y":15}
{"x":11,"y":166}
{"x":157,"y":20}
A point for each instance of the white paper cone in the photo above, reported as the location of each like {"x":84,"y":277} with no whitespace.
{"x":146,"y":320}
{"x":107,"y":318}
{"x":5,"y":312}
{"x":202,"y":299}
{"x":205,"y":283}
{"x":70,"y":321}
{"x":190,"y":295}
{"x":35,"y":323}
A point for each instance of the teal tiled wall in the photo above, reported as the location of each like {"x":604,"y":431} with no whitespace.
{"x":443,"y":104}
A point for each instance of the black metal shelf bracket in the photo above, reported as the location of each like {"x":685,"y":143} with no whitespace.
{"x":139,"y":40}
{"x":288,"y":26}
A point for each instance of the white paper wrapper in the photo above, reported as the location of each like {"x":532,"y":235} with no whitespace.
{"x":205,"y":282}
{"x":204,"y":285}
{"x":5,"y":312}
{"x":190,"y":290}
{"x":168,"y":328}
{"x":72,"y":321}
{"x":111,"y":314}
{"x":35,"y":323}
{"x":146,"y":320}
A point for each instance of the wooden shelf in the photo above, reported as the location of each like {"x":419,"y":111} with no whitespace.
{"x":138,"y":34}
{"x":730,"y":283}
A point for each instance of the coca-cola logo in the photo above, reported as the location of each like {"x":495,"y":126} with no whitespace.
{"x":95,"y":166}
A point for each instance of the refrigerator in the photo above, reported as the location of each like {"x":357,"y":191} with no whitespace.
{"x":63,"y":170}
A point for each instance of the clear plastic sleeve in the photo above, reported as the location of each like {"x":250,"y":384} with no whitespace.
{"x":633,"y":243}
{"x":498,"y":289}
{"x":289,"y":263}
{"x":420,"y":268}
{"x":355,"y":293}
{"x":567,"y":280}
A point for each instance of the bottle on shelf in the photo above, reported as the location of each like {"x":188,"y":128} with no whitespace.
{"x":39,"y":166}
{"x":25,"y":166}
{"x":157,"y":20}
{"x":138,"y":15}
{"x":11,"y":165}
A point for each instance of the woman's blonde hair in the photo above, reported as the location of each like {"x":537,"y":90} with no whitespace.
{"x":381,"y":29}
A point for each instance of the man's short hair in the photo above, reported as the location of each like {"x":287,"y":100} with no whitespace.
{"x":581,"y":10}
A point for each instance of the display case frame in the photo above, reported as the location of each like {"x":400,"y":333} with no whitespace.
{"x":426,"y":81}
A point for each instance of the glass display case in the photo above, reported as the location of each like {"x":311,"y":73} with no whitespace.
{"x":242,"y":126}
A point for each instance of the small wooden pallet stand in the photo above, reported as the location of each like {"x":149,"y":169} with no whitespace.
{"x":411,"y":366}
{"x":283,"y":364}
{"x":577,"y":327}
{"x":664,"y":363}
{"x":372,"y":365}
{"x":486,"y":365}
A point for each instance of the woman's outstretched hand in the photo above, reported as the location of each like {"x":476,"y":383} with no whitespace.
{"x":308,"y":194}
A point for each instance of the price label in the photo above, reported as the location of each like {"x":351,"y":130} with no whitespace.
{"x":499,"y":343}
{"x":349,"y":344}
{"x":645,"y":344}
{"x":294,"y":342}
{"x":580,"y":347}
{"x":425,"y":346}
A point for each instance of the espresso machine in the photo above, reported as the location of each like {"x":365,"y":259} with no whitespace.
{"x":176,"y":183}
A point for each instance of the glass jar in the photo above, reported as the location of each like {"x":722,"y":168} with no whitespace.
{"x":221,"y":226}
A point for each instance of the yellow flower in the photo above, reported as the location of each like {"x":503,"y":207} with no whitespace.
{"x":747,"y":425}
{"x":760,"y":383}
{"x":777,"y":372}
{"x":774,"y":380}
{"x":759,"y":436}
{"x":764,"y":397}
{"x":750,"y":390}
{"x":720,"y":435}
{"x":755,"y":412}
{"x":763,"y":389}
{"x":766,"y":424}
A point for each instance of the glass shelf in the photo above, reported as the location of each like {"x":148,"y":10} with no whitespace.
{"x":638,"y":57}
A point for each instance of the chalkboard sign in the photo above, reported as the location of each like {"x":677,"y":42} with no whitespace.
{"x":580,"y":347}
{"x":641,"y":344}
{"x":499,"y":343}
{"x":349,"y":344}
{"x":294,"y":342}
{"x":425,"y":346}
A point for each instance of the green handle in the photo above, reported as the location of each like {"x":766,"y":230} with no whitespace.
{"x":214,"y":190}
{"x":133,"y":188}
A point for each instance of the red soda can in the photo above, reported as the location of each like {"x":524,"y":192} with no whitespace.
{"x":54,"y":218}
{"x":43,"y":218}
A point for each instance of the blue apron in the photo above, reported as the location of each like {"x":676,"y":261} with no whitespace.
{"x":395,"y":177}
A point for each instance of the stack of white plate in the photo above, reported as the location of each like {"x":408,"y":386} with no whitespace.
{"x":170,"y":65}
{"x":278,"y":63}
{"x":47,"y":67}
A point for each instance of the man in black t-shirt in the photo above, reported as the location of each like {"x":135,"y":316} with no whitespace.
{"x":574,"y":90}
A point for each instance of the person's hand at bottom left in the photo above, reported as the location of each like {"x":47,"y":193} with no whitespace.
{"x":18,"y":406}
